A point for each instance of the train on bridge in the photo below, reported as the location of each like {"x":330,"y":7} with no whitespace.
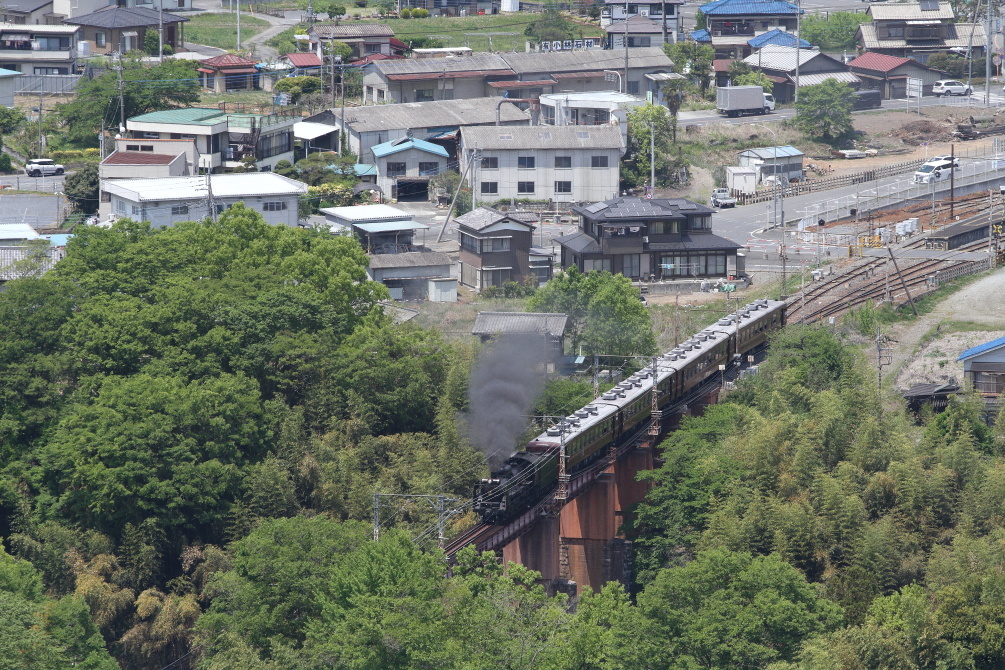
{"x":590,"y":433}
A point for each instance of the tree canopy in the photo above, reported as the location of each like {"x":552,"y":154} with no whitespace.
{"x":824,"y":110}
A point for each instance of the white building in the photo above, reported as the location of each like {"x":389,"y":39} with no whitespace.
{"x":221,"y":138}
{"x":169,"y":200}
{"x":554,"y":163}
{"x":8,"y":82}
{"x":136,"y":159}
{"x":614,"y":10}
{"x":30,"y":49}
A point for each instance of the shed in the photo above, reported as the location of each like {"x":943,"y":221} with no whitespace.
{"x":407,"y":276}
{"x":786,"y":161}
{"x":984,"y":367}
{"x":957,"y":235}
{"x":935,"y":395}
{"x":741,"y":180}
{"x":381,"y":229}
{"x":548,"y":325}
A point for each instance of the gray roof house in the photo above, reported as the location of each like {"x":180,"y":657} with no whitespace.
{"x":415,"y":275}
{"x":439,"y":121}
{"x":550,"y":326}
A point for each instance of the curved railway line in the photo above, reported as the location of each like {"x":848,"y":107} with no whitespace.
{"x":872,"y":279}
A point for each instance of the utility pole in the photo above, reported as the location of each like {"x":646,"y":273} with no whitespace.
{"x":39,"y":154}
{"x":460,"y":185}
{"x":341,"y":78}
{"x":652,"y":159}
{"x":238,"y":25}
{"x":160,"y":31}
{"x":952,"y":181}
{"x":987,"y":59}
{"x":664,"y":13}
{"x":122,"y":99}
{"x":596,"y":377}
{"x":212,"y":201}
{"x":626,"y":46}
{"x":799,"y":11}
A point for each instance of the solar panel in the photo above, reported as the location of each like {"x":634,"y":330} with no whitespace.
{"x":929,"y":5}
{"x":596,"y":207}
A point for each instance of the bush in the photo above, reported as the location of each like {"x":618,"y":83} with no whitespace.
{"x":405,"y":13}
{"x":298,"y":86}
{"x":5,"y":165}
{"x":420,"y":13}
{"x":512,"y":289}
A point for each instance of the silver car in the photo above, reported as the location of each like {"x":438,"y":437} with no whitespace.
{"x":950,"y":87}
{"x":37,"y":167}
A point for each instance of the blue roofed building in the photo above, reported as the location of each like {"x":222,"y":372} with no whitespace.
{"x":732,"y":23}
{"x":405,"y":165}
{"x":984,"y":368}
{"x":786,"y":161}
{"x":778,"y":37}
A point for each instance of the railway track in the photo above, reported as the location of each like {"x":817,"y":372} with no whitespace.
{"x":873,"y":279}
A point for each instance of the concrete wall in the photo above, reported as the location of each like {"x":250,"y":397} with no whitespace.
{"x":177,"y":168}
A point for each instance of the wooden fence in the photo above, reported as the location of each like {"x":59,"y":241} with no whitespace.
{"x":832,"y":182}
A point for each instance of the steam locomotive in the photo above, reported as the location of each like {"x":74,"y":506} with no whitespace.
{"x":589,"y":433}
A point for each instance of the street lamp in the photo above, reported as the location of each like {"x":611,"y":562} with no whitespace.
{"x":778,"y":199}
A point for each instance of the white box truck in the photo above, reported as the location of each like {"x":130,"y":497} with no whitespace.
{"x":737,"y":100}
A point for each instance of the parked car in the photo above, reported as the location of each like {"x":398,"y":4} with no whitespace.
{"x":868,"y":99}
{"x":950,"y":87}
{"x":722,"y":198}
{"x":934,"y":170}
{"x":36,"y":167}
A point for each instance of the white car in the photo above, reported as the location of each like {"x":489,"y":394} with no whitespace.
{"x":36,"y":167}
{"x":935,"y":170}
{"x":950,"y":87}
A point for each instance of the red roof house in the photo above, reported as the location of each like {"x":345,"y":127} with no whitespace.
{"x":889,"y":74}
{"x":228,"y":72}
{"x":302,"y":60}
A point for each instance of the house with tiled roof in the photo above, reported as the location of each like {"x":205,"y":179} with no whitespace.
{"x":429,"y":79}
{"x":889,"y":74}
{"x":665,"y":13}
{"x":641,"y":32}
{"x":122,"y":29}
{"x":302,"y":63}
{"x":730,"y":24}
{"x":779,"y":65}
{"x":496,"y":247}
{"x":228,"y":72}
{"x":917,"y":30}
{"x":364,"y":39}
{"x":641,"y":238}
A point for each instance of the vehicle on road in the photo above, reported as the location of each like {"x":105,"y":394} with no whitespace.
{"x":868,"y":99}
{"x":37,"y":167}
{"x":936,"y":169}
{"x":950,"y":87}
{"x":722,"y":198}
{"x":738,"y":100}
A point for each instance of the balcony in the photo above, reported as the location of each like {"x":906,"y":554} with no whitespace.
{"x":623,"y":244}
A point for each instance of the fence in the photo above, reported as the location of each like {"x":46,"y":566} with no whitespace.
{"x":864,"y":177}
{"x":51,"y":84}
{"x":50,"y":184}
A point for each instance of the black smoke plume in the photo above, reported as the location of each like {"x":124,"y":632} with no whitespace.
{"x":505,"y":381}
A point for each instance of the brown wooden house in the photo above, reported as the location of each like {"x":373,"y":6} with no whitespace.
{"x":495,"y":247}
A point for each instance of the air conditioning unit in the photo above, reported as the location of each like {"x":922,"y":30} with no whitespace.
{"x":84,"y":49}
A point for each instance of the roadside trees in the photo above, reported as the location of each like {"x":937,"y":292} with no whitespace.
{"x":824,"y":111}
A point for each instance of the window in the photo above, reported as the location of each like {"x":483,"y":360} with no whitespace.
{"x":701,"y":223}
{"x":525,"y":187}
{"x":182,"y":136}
{"x":638,"y":42}
{"x":179,"y":210}
{"x":372,"y":48}
{"x":146,"y":147}
{"x":132,"y":147}
{"x":895,"y":31}
{"x":275,"y":144}
{"x":51,"y":70}
{"x":633,"y":87}
{"x":136,"y":209}
{"x":470,"y":243}
{"x":277,"y":206}
{"x":490,"y":163}
{"x":494,"y":277}
{"x":490,"y":187}
{"x":424,"y":95}
{"x":495,"y":244}
{"x":630,"y":265}
{"x":563,"y":187}
{"x":395,"y":169}
{"x":99,"y":39}
{"x":563,"y":162}
{"x":598,"y":264}
{"x":53,"y":43}
{"x":429,"y":168}
{"x":525,"y":162}
{"x":120,"y":207}
{"x":598,"y":161}
{"x":664,"y":227}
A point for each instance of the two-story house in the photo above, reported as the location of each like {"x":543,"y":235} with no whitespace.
{"x":779,"y":64}
{"x":26,"y":12}
{"x":984,"y":372}
{"x":405,"y":165}
{"x":133,"y":159}
{"x":122,"y":29}
{"x":222,"y":138}
{"x":640,"y":31}
{"x":495,"y":247}
{"x":889,"y":74}
{"x":555,"y":163}
{"x":588,"y":70}
{"x":666,"y":13}
{"x":365,"y":39}
{"x":228,"y":72}
{"x":732,"y":23}
{"x":429,"y":79}
{"x":917,"y":30}
{"x":38,"y":49}
{"x":641,"y":238}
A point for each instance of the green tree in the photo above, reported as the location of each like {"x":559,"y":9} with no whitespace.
{"x":552,"y":25}
{"x":693,"y":60}
{"x":605,"y":313}
{"x":82,"y":188}
{"x":173,"y":83}
{"x":5,"y":165}
{"x":730,"y":610}
{"x":824,"y":111}
{"x":650,"y":127}
{"x":836,"y":30}
{"x":754,"y":79}
{"x":339,"y":49}
{"x":11,"y":119}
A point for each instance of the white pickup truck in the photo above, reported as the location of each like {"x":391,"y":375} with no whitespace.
{"x":722,"y":198}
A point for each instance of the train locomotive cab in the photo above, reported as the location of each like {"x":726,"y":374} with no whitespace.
{"x":510,"y":490}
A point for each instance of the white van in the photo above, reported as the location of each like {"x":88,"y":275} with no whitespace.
{"x":936,"y":169}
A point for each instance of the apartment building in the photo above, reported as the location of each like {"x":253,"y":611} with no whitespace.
{"x":31,"y":49}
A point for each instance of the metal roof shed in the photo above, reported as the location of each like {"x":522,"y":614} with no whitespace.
{"x":784,"y":160}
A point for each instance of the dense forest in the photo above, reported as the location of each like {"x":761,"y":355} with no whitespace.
{"x":193,"y":422}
